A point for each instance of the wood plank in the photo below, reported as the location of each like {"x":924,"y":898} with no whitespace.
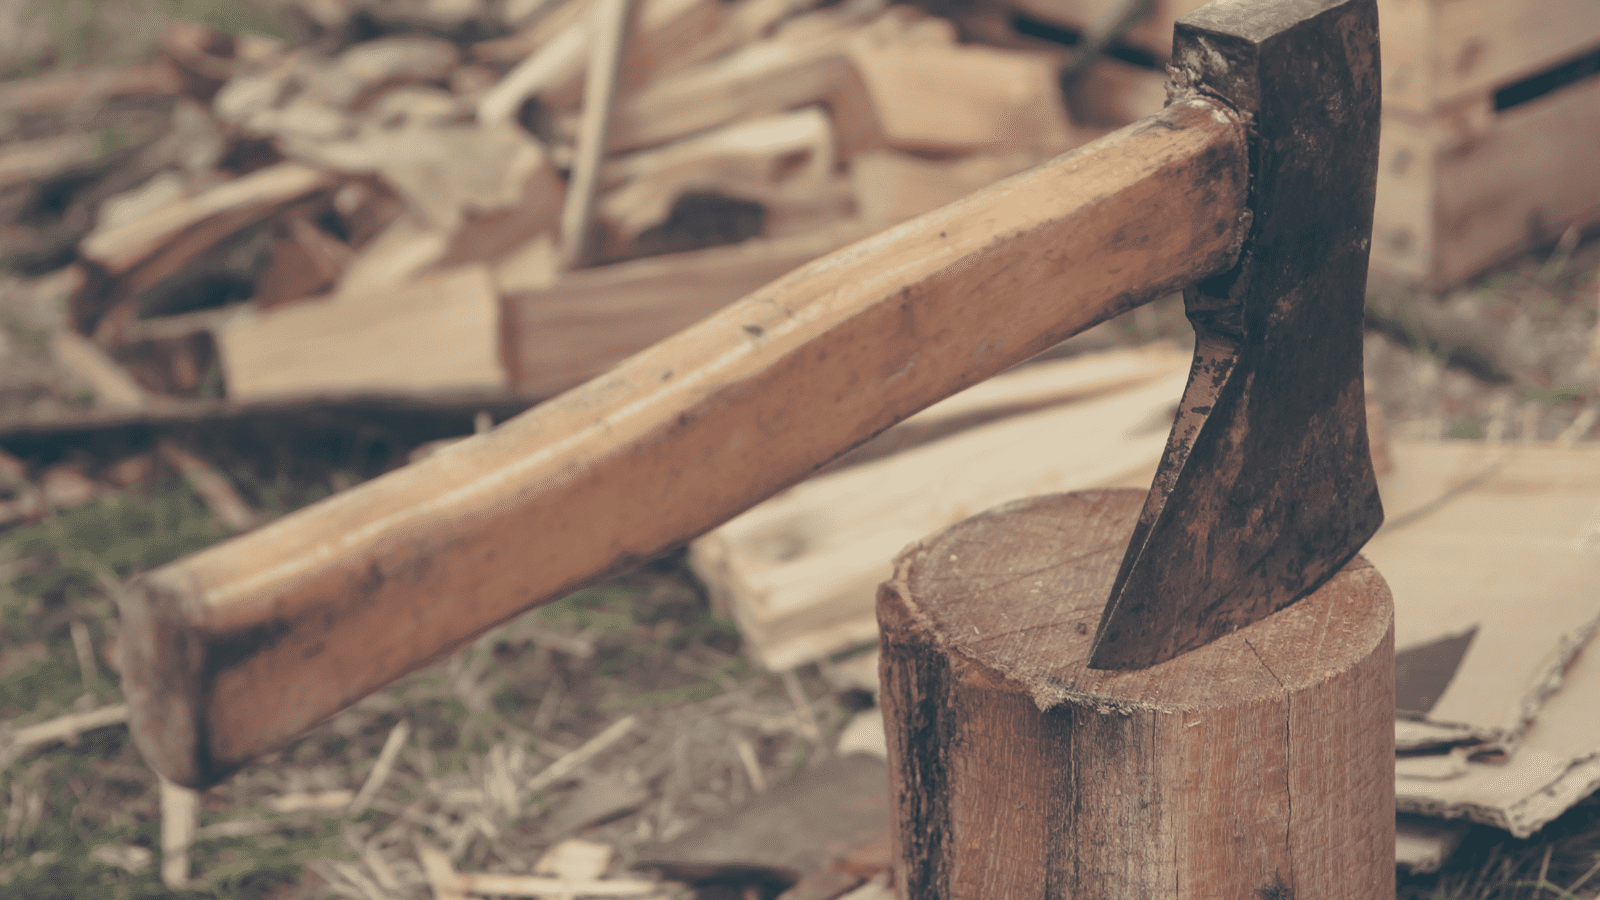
{"x":799,"y":573}
{"x":238,"y":648}
{"x":1481,"y":45}
{"x":435,"y":335}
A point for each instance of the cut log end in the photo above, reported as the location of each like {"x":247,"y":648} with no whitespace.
{"x":1258,"y":765}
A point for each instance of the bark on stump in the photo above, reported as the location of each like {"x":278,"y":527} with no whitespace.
{"x":1258,"y":766}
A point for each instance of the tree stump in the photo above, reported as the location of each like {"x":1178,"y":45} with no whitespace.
{"x":1257,"y":767}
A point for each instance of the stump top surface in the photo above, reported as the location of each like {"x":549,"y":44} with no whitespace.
{"x":1019,"y":589}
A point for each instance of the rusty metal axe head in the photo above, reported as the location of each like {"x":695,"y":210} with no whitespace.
{"x":1266,"y":488}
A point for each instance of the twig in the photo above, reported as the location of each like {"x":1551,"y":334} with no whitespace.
{"x":381,"y":769}
{"x":564,"y":766}
{"x":440,"y":873}
{"x":537,"y":886}
{"x":610,"y":29}
{"x":802,"y":707}
{"x":1101,"y":34}
{"x":83,"y":646}
{"x":218,"y":494}
{"x":311,"y":801}
{"x":752,"y":766}
{"x":61,"y":728}
{"x":541,"y":69}
{"x":180,"y":809}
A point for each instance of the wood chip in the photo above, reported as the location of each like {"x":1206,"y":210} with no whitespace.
{"x":392,"y":745}
{"x":569,"y":763}
{"x":311,"y":801}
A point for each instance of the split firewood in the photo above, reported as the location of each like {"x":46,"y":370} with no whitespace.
{"x":930,"y":93}
{"x":876,"y":82}
{"x":767,"y":160}
{"x":891,"y":187}
{"x":112,"y":386}
{"x":796,"y":67}
{"x":670,"y":34}
{"x":444,"y":172}
{"x":306,"y":260}
{"x":593,"y":318}
{"x":155,"y":79}
{"x":141,"y":253}
{"x":437,"y":334}
{"x":24,"y":162}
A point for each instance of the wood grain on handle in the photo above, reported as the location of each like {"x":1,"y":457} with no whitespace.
{"x":233,"y":651}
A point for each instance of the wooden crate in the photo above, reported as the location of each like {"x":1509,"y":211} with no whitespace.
{"x":1467,"y":176}
{"x":1462,"y":185}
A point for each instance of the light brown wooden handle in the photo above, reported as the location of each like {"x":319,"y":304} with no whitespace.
{"x":235,"y":650}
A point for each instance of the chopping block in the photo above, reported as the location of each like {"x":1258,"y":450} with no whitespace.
{"x":1259,"y":766}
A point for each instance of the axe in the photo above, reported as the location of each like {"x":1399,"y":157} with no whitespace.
{"x":1253,"y":189}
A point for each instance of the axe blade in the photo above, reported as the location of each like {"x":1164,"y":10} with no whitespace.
{"x":1266,"y":488}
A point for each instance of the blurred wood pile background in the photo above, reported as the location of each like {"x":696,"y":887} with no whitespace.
{"x":450,"y":198}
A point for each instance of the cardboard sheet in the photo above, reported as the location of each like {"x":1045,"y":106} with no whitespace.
{"x":1493,"y":555}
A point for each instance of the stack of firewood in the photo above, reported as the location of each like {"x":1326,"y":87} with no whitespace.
{"x":424,"y":214}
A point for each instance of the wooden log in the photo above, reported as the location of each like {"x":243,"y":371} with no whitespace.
{"x":236,"y":649}
{"x":1259,"y":765}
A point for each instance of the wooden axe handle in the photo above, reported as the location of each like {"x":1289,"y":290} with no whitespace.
{"x":233,"y":651}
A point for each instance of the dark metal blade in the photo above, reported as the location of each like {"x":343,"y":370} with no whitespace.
{"x":1266,"y":488}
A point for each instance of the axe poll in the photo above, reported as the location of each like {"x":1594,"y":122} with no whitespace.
{"x":234,"y":651}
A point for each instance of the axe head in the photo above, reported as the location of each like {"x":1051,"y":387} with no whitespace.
{"x":1266,"y":488}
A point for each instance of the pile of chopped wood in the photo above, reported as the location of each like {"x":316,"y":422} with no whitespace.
{"x":427,"y":213}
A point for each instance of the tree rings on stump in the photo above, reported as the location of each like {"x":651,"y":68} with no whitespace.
{"x":1260,"y":765}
